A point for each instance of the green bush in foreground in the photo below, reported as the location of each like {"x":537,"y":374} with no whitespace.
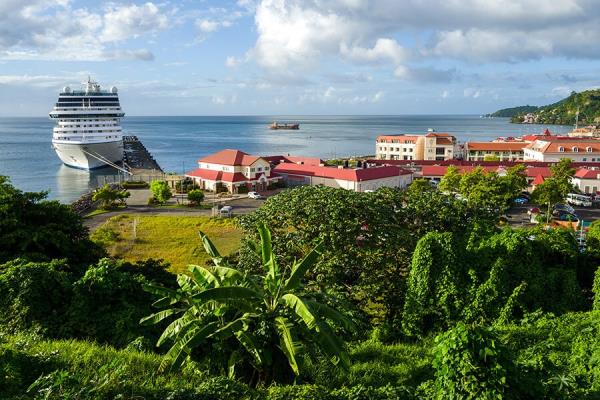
{"x":161,"y":192}
{"x":256,"y":326}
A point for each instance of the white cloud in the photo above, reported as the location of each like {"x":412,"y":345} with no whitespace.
{"x":471,"y":92}
{"x":124,"y":22}
{"x":232,"y":62}
{"x":384,"y":49}
{"x":55,"y":30}
{"x":445,"y":94}
{"x":208,"y":25}
{"x":302,"y":34}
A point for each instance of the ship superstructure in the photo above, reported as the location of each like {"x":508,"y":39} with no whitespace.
{"x":88,"y":131}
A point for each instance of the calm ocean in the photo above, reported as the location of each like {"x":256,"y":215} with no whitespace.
{"x":177,"y":142}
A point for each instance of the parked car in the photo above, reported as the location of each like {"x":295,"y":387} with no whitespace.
{"x":254,"y":195}
{"x":567,"y":217}
{"x":521,"y":200}
{"x":579,"y":200}
{"x":564,"y":207}
{"x":226,"y":211}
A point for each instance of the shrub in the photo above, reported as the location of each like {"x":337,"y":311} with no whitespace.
{"x":109,"y":197}
{"x":41,"y":230}
{"x":134,"y":185}
{"x":161,"y":191}
{"x":470,"y":362}
{"x":195,"y":196}
{"x":34,"y":296}
{"x":596,"y":290}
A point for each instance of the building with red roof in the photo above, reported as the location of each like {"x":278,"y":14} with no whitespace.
{"x":500,"y":151}
{"x":366,"y":177}
{"x":233,"y":171}
{"x":587,"y":180}
{"x":552,"y":150}
{"x":432,"y":146}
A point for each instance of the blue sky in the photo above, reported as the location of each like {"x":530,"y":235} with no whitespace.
{"x":300,"y":56}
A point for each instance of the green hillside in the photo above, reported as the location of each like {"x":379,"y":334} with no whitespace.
{"x":514,"y":111}
{"x":562,"y":112}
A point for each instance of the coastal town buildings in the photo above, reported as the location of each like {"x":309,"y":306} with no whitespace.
{"x":496,"y":151}
{"x":363,"y":178}
{"x":432,"y":146}
{"x":232,"y":171}
{"x":552,"y":150}
{"x":237,"y":172}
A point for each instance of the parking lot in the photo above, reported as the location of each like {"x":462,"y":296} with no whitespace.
{"x":518,"y":214}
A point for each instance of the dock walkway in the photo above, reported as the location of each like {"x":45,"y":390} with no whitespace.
{"x":137,"y":158}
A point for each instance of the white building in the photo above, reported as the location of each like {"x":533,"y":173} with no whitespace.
{"x":432,"y":146}
{"x":552,"y":150}
{"x":587,"y":180}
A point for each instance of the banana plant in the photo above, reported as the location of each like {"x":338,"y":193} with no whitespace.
{"x":258,"y":318}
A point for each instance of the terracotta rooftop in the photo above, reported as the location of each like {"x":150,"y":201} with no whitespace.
{"x":495,"y":146}
{"x":219,"y":176}
{"x":347,"y":174}
{"x":585,"y":173}
{"x":230,"y":157}
{"x":294,"y":159}
{"x":568,"y":146}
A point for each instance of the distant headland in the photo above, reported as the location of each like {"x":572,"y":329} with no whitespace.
{"x":579,"y":108}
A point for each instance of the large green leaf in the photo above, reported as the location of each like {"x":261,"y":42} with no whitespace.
{"x":300,"y":308}
{"x":159,"y":290}
{"x":247,"y":340}
{"x":323,"y":310}
{"x":300,"y":268}
{"x":268,"y":258}
{"x":157,"y":317}
{"x":287,"y":343}
{"x":185,"y":283}
{"x":209,"y":246}
{"x":226,"y":292}
{"x":182,"y":347}
{"x":177,"y":326}
{"x":331,"y":345}
{"x":203,"y":276}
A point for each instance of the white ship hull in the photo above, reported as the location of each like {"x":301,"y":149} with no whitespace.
{"x":89,"y":155}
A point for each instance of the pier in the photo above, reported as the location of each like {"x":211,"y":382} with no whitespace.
{"x":137,"y":159}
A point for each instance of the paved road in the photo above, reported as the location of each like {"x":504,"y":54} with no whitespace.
{"x":242,"y":205}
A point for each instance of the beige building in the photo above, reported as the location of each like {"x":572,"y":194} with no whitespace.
{"x":552,"y":150}
{"x":432,"y":146}
{"x":501,"y":151}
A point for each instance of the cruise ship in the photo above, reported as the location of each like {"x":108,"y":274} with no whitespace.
{"x":88,"y":131}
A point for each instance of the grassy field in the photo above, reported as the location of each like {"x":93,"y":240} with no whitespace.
{"x":172,"y":238}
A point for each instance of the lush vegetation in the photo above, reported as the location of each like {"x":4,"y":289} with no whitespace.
{"x":336,"y":295}
{"x":110,"y":198}
{"x":195,"y":196}
{"x":564,"y":112}
{"x":514,"y":111}
{"x":161,"y":192}
{"x":170,"y":238}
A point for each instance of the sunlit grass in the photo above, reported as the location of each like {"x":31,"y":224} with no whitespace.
{"x":171,"y":238}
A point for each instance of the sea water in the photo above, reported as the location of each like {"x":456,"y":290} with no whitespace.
{"x":26,"y":155}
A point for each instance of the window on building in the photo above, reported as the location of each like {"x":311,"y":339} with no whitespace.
{"x":588,"y":149}
{"x":575,"y":149}
{"x":439,"y":151}
{"x":251,"y":169}
{"x":259,"y":169}
{"x":561,"y":149}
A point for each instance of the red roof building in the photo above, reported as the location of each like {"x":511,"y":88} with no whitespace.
{"x":357,"y":179}
{"x":233,"y":171}
{"x":500,"y":151}
{"x":587,"y":180}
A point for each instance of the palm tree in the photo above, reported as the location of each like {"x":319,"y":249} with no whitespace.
{"x":265,"y":321}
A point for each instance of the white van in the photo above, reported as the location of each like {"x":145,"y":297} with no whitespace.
{"x":579,"y":200}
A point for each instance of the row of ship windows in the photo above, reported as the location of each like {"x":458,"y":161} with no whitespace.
{"x":87,"y":105}
{"x":87,"y":120}
{"x":88,"y":126}
{"x":98,"y":131}
{"x":92,"y":137}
